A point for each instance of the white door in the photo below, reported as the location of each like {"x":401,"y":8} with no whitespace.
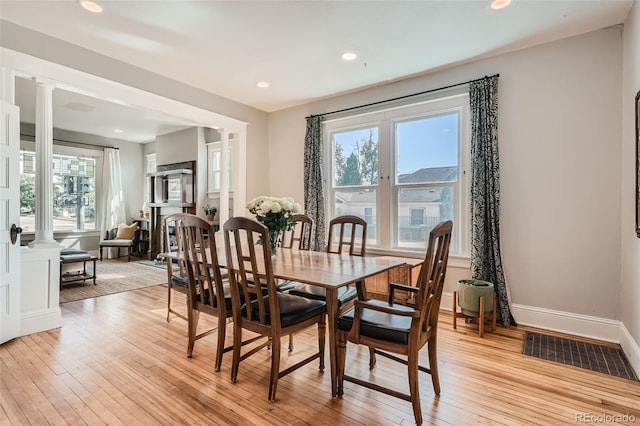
{"x":9,"y":219}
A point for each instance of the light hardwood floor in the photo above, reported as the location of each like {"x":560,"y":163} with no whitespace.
{"x":117,"y":361}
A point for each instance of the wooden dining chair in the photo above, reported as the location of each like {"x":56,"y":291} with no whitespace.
{"x":300,"y":233}
{"x":298,"y":237}
{"x":347,"y":235}
{"x":387,"y":327}
{"x":208,"y":292}
{"x":268,"y":312}
{"x":177,"y":279}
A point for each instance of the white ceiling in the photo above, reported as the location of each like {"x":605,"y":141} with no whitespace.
{"x":226,"y":47}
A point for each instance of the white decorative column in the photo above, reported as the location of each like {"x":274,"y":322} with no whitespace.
{"x":224,"y":176}
{"x":44,"y":163}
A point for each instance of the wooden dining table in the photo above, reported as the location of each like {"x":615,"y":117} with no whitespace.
{"x":329,"y":271}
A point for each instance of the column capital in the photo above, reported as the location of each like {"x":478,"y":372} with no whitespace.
{"x":44,"y":82}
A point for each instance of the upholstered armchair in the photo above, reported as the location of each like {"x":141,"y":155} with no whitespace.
{"x":120,"y":237}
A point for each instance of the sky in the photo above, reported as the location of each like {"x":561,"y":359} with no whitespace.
{"x":423,"y":143}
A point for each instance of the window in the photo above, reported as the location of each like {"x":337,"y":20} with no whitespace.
{"x":403,"y":170}
{"x":150,"y":166}
{"x":214,"y":169}
{"x":74,"y":192}
{"x":417,"y":217}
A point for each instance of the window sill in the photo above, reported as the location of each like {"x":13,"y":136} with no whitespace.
{"x":455,"y":261}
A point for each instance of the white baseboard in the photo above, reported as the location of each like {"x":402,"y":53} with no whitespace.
{"x":630,"y":348}
{"x":567,"y":322}
{"x":37,"y":321}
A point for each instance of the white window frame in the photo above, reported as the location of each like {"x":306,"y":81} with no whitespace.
{"x":150,"y":166}
{"x":387,"y":189}
{"x":74,"y":151}
{"x":213,"y":192}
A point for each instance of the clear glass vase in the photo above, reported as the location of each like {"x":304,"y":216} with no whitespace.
{"x":274,"y":239}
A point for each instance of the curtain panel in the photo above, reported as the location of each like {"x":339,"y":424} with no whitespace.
{"x":314,"y":181}
{"x":111,"y":206}
{"x":486,"y":259}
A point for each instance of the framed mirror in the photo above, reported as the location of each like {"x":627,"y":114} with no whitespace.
{"x":637,"y":115}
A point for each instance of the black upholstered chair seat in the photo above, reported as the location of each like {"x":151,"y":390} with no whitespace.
{"x":379,"y":325}
{"x":345,"y":294}
{"x":293,"y":309}
{"x":180,"y":280}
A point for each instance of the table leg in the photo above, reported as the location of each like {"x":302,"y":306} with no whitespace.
{"x":332,"y":320}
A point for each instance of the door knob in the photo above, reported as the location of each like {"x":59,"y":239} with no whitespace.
{"x":15,"y":230}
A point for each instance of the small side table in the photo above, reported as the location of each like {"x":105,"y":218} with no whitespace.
{"x":81,"y":275}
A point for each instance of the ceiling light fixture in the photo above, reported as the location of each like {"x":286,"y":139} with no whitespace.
{"x":349,"y":56}
{"x":500,"y":4}
{"x":90,"y":6}
{"x":263,"y":84}
{"x":118,"y":130}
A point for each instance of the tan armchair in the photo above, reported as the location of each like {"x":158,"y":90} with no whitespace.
{"x":120,"y":237}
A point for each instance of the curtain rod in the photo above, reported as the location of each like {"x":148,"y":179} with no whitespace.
{"x":403,"y":97}
{"x":75,"y":143}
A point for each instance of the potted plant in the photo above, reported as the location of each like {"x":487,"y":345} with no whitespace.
{"x":210,"y":211}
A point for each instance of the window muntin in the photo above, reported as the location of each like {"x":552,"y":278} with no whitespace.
{"x":422,"y":161}
{"x":74,"y":192}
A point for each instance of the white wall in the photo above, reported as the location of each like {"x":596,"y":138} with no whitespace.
{"x":630,"y":280}
{"x":559,"y":132}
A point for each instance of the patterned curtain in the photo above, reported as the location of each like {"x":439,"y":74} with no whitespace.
{"x":314,"y":181}
{"x":486,"y":260}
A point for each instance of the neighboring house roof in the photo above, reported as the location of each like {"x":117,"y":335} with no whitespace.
{"x":433,"y":174}
{"x":413,"y":195}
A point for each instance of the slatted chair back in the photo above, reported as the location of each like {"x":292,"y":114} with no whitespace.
{"x":347,"y":232}
{"x":431,"y":278}
{"x":299,"y":233}
{"x":250,"y":268}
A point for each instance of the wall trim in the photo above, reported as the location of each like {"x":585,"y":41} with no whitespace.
{"x":37,"y":321}
{"x":567,"y":322}
{"x":630,"y":348}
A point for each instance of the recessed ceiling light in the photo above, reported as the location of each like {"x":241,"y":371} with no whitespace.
{"x":349,"y":56}
{"x":118,"y":130}
{"x":499,"y":4}
{"x":91,"y":6}
{"x":263,"y":84}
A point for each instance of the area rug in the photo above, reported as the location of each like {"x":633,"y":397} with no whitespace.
{"x":114,"y":276}
{"x":600,"y":358}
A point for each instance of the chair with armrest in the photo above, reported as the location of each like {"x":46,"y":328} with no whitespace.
{"x":258,"y":306}
{"x":344,"y":232}
{"x":121,"y":237}
{"x":387,"y":327}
